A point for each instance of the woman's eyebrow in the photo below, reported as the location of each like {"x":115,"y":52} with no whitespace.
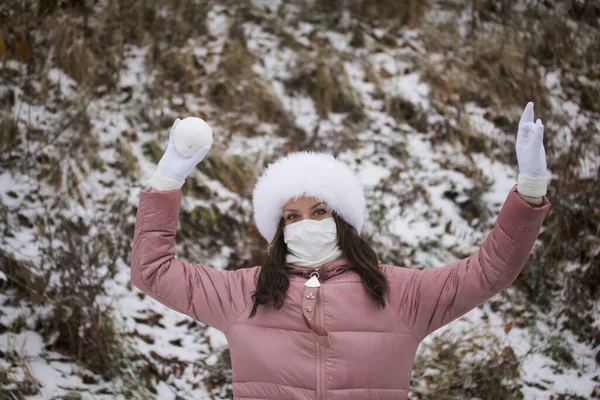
{"x":316,"y":205}
{"x":313,"y":207}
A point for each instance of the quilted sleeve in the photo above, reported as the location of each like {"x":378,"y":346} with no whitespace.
{"x":214,"y":297}
{"x":430,"y":298}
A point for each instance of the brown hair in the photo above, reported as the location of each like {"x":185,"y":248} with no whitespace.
{"x":273,"y":281}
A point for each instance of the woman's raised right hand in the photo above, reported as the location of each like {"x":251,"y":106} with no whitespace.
{"x":190,"y":140}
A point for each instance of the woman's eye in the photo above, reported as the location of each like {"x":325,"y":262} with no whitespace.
{"x":320,"y":212}
{"x":291,"y":217}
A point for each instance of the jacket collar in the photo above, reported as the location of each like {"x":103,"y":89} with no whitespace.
{"x":326,"y":270}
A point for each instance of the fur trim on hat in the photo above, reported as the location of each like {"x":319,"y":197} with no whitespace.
{"x":319,"y":175}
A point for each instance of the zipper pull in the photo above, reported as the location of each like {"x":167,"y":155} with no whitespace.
{"x":314,"y":279}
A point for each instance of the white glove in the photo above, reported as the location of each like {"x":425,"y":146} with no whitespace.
{"x":531,"y":156}
{"x":189,"y":141}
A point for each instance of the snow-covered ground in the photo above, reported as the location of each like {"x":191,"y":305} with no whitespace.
{"x":406,"y":173}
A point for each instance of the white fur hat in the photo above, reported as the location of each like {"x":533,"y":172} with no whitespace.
{"x":318,"y":175}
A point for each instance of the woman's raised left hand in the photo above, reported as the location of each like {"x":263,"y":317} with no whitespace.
{"x":531,"y":155}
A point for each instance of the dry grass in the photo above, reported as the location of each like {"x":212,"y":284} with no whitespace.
{"x":9,"y":135}
{"x":471,"y":138}
{"x":153,"y":151}
{"x":73,"y":53}
{"x":402,"y":13}
{"x":572,"y":235}
{"x":585,"y":92}
{"x":441,"y":37}
{"x":22,"y":279}
{"x":567,"y":37}
{"x":465,"y":365}
{"x":236,"y":62}
{"x":127,"y":163}
{"x":236,"y":88}
{"x":223,"y":93}
{"x":76,"y":324}
{"x":219,"y":376}
{"x":511,"y":80}
{"x":332,"y":92}
{"x":493,"y":74}
{"x":403,"y":110}
{"x":88,"y":42}
{"x":205,"y":228}
{"x":236,"y":173}
{"x":266,"y":104}
{"x":388,"y":12}
{"x":499,"y":69}
{"x":252,"y":98}
{"x":178,"y":71}
{"x":17,"y":381}
{"x":327,"y":83}
{"x":371,"y":75}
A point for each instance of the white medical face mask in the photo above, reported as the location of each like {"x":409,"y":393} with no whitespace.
{"x":311,"y":242}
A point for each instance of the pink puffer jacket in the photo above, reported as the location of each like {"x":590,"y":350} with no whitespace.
{"x":369,"y":353}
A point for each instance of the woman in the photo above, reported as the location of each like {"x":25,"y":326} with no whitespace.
{"x":323,"y":318}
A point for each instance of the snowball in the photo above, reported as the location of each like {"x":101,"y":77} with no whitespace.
{"x":191,"y":134}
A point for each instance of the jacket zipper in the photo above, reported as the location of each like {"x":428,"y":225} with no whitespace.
{"x":322,"y":316}
{"x":319,"y":383}
{"x":321,"y":390}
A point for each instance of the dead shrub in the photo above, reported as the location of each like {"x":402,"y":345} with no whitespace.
{"x":584,"y":92}
{"x":571,"y":237}
{"x":223,"y":93}
{"x":236,"y":62}
{"x":235,"y":86}
{"x":371,"y":75}
{"x":558,"y":352}
{"x":22,"y":279}
{"x":208,"y":227}
{"x":72,"y":52}
{"x":178,"y":70}
{"x":403,"y":110}
{"x":233,"y":171}
{"x":9,"y":135}
{"x":395,"y":13}
{"x":127,"y":162}
{"x":153,"y":151}
{"x":78,"y":259}
{"x":218,"y":380}
{"x":328,"y":85}
{"x":465,"y":365}
{"x":266,"y":103}
{"x":471,"y":139}
{"x":16,"y":381}
{"x":492,"y":73}
{"x":503,"y":66}
{"x":441,"y":37}
{"x":554,"y":44}
{"x":252,"y":98}
{"x":88,"y":42}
